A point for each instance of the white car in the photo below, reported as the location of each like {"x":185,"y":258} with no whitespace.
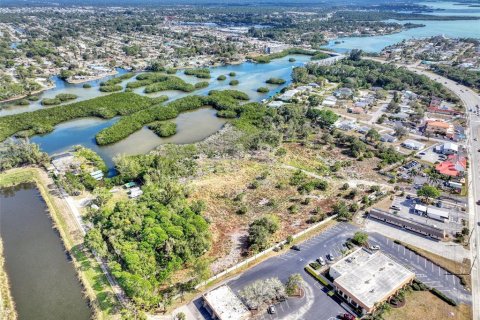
{"x":321,"y":261}
{"x":375,"y":247}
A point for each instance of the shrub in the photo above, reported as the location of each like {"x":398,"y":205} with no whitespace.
{"x":66,"y":96}
{"x":51,"y":102}
{"x":201,"y":84}
{"x":276,"y":81}
{"x":232,"y":74}
{"x":242,"y":210}
{"x":234,"y":82}
{"x":203,"y":73}
{"x":291,"y":59}
{"x":33,"y":98}
{"x":442,"y":296}
{"x":221,"y":77}
{"x":163,"y":129}
{"x":87,"y":86}
{"x":263,"y":90}
{"x":111,"y":88}
{"x":318,"y":277}
{"x":226,"y":114}
{"x":23,"y":102}
{"x":315,"y":265}
{"x":293,"y":209}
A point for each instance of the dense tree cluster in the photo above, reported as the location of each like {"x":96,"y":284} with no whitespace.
{"x":469,"y":78}
{"x":260,"y":231}
{"x":367,"y":73}
{"x":148,"y":239}
{"x":17,"y":153}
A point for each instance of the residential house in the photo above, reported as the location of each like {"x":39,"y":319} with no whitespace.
{"x":388,"y":138}
{"x":454,"y":166}
{"x":413,"y":144}
{"x":439,"y":127}
{"x":329,"y":101}
{"x":343,"y":93}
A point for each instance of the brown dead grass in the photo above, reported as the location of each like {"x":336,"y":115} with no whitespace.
{"x":423,"y":305}
{"x":221,"y":181}
{"x":322,"y":156}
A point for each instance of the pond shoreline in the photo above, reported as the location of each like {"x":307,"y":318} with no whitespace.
{"x":70,"y":236}
{"x":7,"y":305}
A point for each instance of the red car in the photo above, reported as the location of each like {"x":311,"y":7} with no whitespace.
{"x":348,"y":316}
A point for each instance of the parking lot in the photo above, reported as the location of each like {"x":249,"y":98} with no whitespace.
{"x":425,"y":271}
{"x":429,"y":155}
{"x":316,"y":304}
{"x":406,"y":210}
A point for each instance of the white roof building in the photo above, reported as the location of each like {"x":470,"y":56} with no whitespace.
{"x":366,"y":278}
{"x":224,"y":304}
{"x":413,"y":144}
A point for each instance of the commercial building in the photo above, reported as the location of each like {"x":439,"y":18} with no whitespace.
{"x":432,"y":212}
{"x":408,"y":224}
{"x":223,"y":304}
{"x":365,"y":279}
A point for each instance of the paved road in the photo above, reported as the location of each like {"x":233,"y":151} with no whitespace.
{"x":319,"y":305}
{"x":471,"y":100}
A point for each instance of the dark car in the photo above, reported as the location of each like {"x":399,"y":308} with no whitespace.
{"x":272,"y":310}
{"x":478,"y":202}
{"x":330,"y":257}
{"x":297,"y":248}
{"x":348,"y":316}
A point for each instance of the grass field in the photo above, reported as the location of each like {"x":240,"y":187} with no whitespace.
{"x":423,"y":305}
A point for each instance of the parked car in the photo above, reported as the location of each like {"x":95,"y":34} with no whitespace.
{"x":396,"y":208}
{"x":348,"y":316}
{"x":375,"y":247}
{"x":272,"y":310}
{"x":296,"y":248}
{"x":330,"y":257}
{"x":478,"y":202}
{"x":321,"y":261}
{"x":409,"y":196}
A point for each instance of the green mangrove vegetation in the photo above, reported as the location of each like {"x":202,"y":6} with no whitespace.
{"x":221,"y":77}
{"x":220,"y":100}
{"x":201,"y":84}
{"x":163,"y":128}
{"x":276,"y":81}
{"x":43,"y":121}
{"x":269,"y":57}
{"x":155,"y":82}
{"x":234,"y":82}
{"x":59,"y":98}
{"x":203,"y":73}
{"x":263,"y":89}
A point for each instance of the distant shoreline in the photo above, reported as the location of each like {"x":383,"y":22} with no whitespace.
{"x":77,"y":81}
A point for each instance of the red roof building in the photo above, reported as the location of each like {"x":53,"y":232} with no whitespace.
{"x":454,"y":166}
